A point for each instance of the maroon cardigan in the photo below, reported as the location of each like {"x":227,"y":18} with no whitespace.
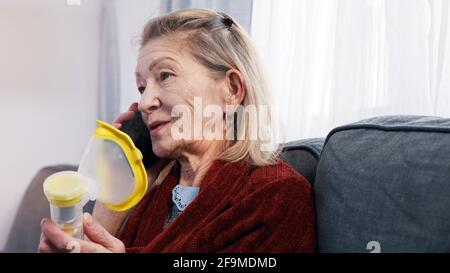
{"x":239,"y":208}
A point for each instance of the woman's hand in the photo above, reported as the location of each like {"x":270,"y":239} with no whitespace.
{"x":132,"y":110}
{"x":53,"y":239}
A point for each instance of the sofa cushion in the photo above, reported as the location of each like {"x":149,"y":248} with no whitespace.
{"x":385,"y":183}
{"x":303,"y":156}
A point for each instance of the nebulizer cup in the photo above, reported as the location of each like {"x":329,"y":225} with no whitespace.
{"x":110,"y":171}
{"x":66,"y":193}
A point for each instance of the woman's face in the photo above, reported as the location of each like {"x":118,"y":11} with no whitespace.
{"x":168,"y":76}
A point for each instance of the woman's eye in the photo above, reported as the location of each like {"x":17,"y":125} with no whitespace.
{"x":165,"y":75}
{"x":141,"y":89}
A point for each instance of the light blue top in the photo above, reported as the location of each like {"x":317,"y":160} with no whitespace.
{"x":182,"y":196}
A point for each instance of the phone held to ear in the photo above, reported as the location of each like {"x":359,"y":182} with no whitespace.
{"x":139,"y":133}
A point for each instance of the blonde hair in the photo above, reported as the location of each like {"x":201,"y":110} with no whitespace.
{"x":220,"y":44}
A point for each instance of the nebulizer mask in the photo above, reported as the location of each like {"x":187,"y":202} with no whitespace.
{"x":111,"y":171}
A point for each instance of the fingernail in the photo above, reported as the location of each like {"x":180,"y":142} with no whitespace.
{"x":88,"y":219}
{"x":73,"y":247}
{"x":42,"y":221}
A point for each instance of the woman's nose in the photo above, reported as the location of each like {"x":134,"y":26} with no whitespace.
{"x":149,"y":101}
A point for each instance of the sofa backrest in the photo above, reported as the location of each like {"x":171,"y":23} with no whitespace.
{"x":383,"y":185}
{"x":303,"y":156}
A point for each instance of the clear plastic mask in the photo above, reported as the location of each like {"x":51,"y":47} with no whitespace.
{"x":113,"y":169}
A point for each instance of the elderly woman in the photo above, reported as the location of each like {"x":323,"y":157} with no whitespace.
{"x":228,"y":194}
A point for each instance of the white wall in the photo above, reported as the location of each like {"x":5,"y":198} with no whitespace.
{"x":48,"y":84}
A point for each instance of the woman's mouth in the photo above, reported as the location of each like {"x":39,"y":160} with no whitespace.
{"x":157,"y":126}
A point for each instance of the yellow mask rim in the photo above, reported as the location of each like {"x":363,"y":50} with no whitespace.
{"x":134,"y":157}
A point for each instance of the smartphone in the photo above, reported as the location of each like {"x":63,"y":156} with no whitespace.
{"x":139,"y":133}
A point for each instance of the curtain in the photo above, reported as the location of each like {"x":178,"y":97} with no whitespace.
{"x":109,"y":70}
{"x":338,"y":61}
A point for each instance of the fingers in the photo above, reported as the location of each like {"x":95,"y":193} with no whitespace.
{"x":126,"y":116}
{"x":46,"y":247}
{"x":133,"y":107}
{"x":54,"y":235}
{"x":74,"y":247}
{"x":90,"y":247}
{"x":123,"y":117}
{"x":98,"y":234}
{"x":54,"y":240}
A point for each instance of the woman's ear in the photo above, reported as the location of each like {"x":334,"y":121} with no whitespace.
{"x":235,"y":84}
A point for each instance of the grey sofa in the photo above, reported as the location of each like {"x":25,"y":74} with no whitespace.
{"x":384,"y":184}
{"x":380,"y":185}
